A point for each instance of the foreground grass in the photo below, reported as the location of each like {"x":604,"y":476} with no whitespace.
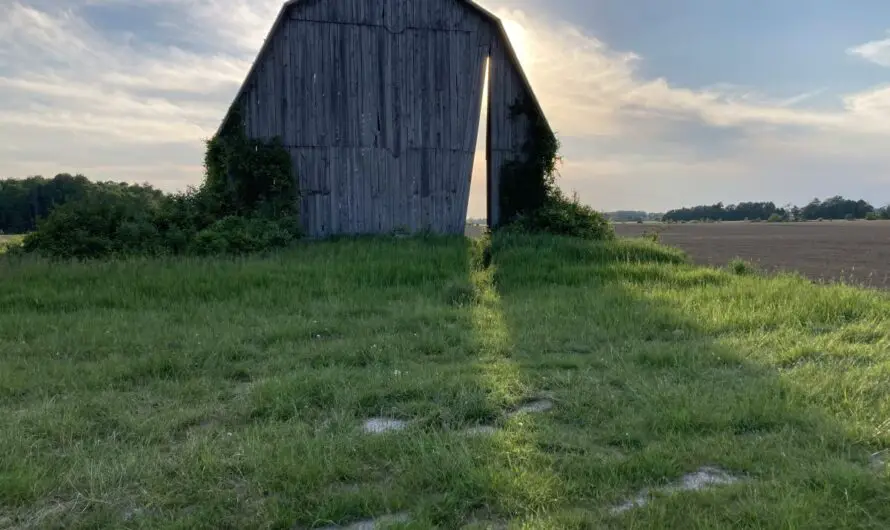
{"x":230,"y":394}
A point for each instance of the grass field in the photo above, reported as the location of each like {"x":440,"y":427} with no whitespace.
{"x":6,"y":240}
{"x":232,"y":393}
{"x":855,"y":252}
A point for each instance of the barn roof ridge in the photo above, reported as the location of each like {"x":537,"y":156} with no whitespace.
{"x":491,"y":17}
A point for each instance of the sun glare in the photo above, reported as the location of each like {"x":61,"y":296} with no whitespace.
{"x":517,"y":35}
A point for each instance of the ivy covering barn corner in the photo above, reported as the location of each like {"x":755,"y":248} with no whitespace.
{"x":530,"y":199}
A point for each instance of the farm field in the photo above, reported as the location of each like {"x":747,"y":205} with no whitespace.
{"x":849,"y":251}
{"x":542,"y":383}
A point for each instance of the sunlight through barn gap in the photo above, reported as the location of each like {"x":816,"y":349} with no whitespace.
{"x":478,"y":190}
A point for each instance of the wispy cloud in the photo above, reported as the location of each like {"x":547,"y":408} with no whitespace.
{"x":588,"y":88}
{"x":127,"y":104}
{"x":876,"y":51}
{"x":59,"y":73}
{"x":800,"y":98}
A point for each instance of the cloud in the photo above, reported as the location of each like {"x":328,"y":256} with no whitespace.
{"x":61,"y":78}
{"x":230,"y":26}
{"x":133,"y":100}
{"x":877,"y":51}
{"x":589,"y":90}
{"x":633,"y":142}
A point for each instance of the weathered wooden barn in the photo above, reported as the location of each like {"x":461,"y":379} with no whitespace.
{"x":379,"y":102}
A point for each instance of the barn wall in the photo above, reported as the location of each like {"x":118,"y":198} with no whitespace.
{"x":507,"y":134}
{"x":378,"y":102}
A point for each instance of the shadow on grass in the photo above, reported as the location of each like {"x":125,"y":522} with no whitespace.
{"x":645,"y":393}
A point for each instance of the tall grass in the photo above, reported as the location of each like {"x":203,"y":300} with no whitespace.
{"x":230,"y":393}
{"x":9,"y":241}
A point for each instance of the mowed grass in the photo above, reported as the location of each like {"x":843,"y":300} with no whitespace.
{"x":231,"y":393}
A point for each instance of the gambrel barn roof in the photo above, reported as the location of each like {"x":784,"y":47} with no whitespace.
{"x":470,"y":4}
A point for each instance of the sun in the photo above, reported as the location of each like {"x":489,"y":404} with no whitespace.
{"x":518,"y":38}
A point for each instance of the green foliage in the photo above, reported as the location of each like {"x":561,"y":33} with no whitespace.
{"x":99,"y":224}
{"x":740,"y":267}
{"x":734,"y":212}
{"x":23,"y":202}
{"x":776,"y":218}
{"x":560,"y":215}
{"x":836,"y":208}
{"x":832,"y":208}
{"x":243,"y":235}
{"x":530,"y":200}
{"x":872,"y":216}
{"x":528,"y":184}
{"x":247,"y":203}
{"x":249,"y":176}
{"x":654,"y":234}
{"x":632,"y":216}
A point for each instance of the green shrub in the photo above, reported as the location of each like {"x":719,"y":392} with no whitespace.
{"x":741,"y":267}
{"x":566,"y":217}
{"x":247,"y":203}
{"x":529,"y":199}
{"x":872,"y":216}
{"x":242,"y":235}
{"x":775,"y":218}
{"x":100,"y":224}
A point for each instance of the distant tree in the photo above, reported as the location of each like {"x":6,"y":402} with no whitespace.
{"x":733,"y":212}
{"x":836,"y":207}
{"x":832,"y":208}
{"x":625,"y":216}
{"x":24,"y":202}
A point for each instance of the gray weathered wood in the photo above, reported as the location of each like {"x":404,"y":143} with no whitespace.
{"x":379,"y":103}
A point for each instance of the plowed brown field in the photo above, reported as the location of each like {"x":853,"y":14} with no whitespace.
{"x":850,"y":251}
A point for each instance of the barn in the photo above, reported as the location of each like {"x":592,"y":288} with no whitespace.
{"x":379,"y":104}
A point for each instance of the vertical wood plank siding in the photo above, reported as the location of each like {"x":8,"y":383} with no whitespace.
{"x":378,"y":102}
{"x":507,"y":133}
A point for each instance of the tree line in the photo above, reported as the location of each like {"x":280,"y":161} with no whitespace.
{"x":25,"y":201}
{"x":836,"y":207}
{"x":625,"y":216}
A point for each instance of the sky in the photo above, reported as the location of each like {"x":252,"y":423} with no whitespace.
{"x":657,"y":104}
